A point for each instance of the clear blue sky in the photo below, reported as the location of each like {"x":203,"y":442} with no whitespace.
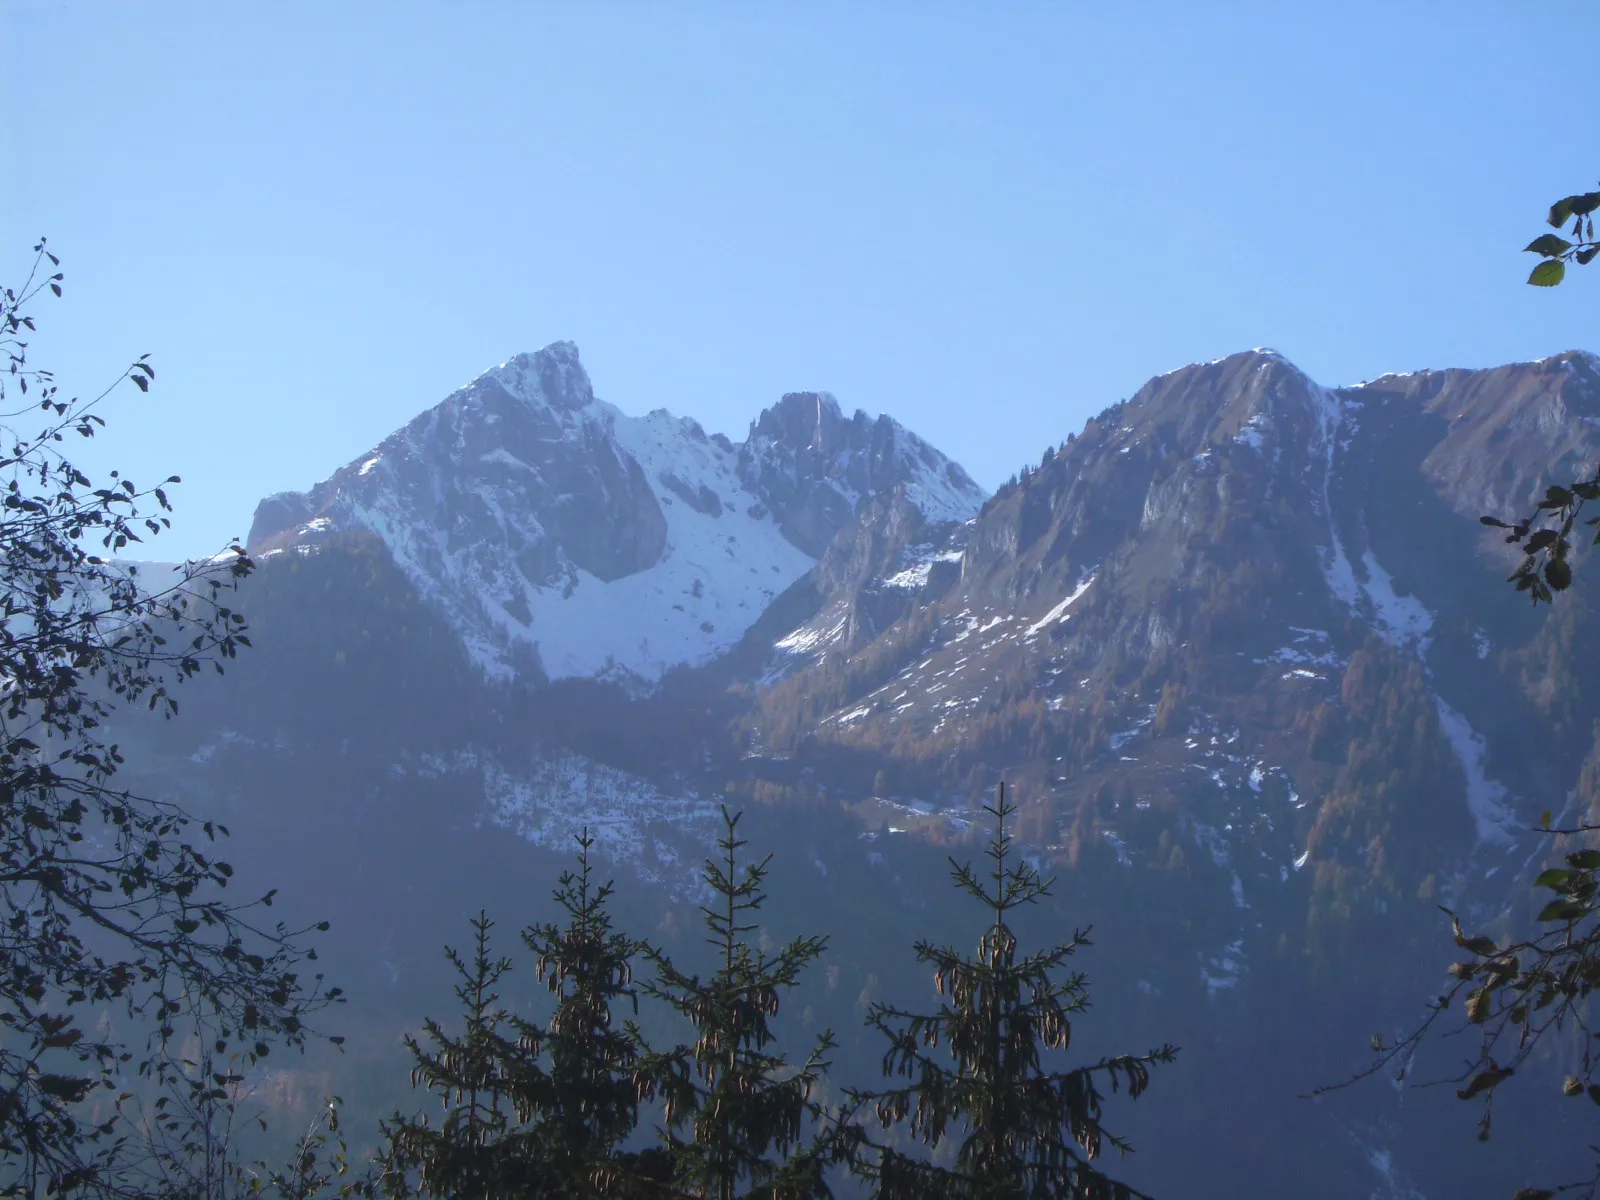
{"x":989,"y":219}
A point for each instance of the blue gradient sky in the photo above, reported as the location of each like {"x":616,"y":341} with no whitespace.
{"x":990,"y":220}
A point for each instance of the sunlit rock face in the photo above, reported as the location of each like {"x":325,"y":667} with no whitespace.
{"x":1248,"y":595}
{"x":814,"y":466}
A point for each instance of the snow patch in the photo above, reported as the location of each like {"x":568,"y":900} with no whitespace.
{"x":1309,"y":648}
{"x":1059,"y":612}
{"x":632,"y":820}
{"x":1253,"y":432}
{"x":1405,"y":620}
{"x":911,"y":579}
{"x":1117,"y":741}
{"x":1486,"y":797}
{"x":1120,"y":846}
{"x":1223,"y":971}
{"x":815,"y":635}
{"x":1336,"y":569}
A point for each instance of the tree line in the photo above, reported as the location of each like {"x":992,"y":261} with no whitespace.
{"x":559,"y":1108}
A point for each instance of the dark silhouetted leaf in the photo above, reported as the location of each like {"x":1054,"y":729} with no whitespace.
{"x":1548,"y":244}
{"x":1563,"y":910}
{"x":1485,"y":1081}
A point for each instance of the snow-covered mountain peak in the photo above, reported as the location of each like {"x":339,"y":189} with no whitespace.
{"x":560,"y":534}
{"x":552,"y":376}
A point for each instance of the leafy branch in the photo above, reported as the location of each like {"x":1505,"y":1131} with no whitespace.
{"x":1545,"y":537}
{"x":111,"y":904}
{"x":1556,"y":251}
{"x":1515,"y":993}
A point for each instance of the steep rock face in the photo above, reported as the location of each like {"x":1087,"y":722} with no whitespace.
{"x":1242,"y":577}
{"x":861,"y":584}
{"x":1506,"y":426}
{"x":1203,"y":464}
{"x":525,"y":439}
{"x":813,"y":467}
{"x":565,"y":538}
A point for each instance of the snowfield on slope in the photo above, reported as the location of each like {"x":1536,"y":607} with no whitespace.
{"x":717,"y":574}
{"x":477,"y":528}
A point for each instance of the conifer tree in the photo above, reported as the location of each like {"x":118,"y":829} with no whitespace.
{"x":746,"y":1109}
{"x":1022,"y":1130}
{"x":586,"y":1104}
{"x":530,"y":1109}
{"x":473,"y":1153}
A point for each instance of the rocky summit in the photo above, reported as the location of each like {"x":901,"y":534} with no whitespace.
{"x":563,"y":537}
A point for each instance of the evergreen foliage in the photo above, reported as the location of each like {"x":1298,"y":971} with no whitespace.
{"x":1026,"y":1132}
{"x":477,"y":1150}
{"x":587,"y":1103}
{"x":532,"y":1109}
{"x":738,"y":1114}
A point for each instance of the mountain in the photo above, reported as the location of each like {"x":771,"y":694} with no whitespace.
{"x":1244,"y":655}
{"x":1218,"y":548}
{"x":1239,"y":646}
{"x":560,"y":535}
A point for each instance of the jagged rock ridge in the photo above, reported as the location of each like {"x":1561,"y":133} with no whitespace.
{"x":563,"y":537}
